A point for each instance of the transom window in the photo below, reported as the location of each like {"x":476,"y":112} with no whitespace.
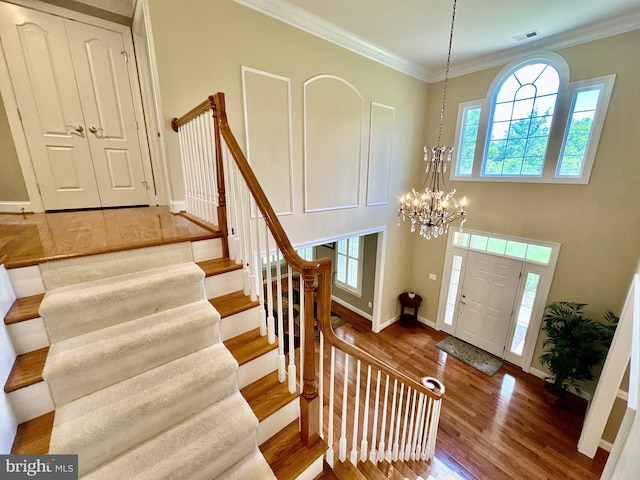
{"x":534,"y":126}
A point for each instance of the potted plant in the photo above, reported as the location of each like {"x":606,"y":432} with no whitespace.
{"x":573,"y":347}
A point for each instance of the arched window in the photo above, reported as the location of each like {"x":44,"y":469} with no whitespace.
{"x":534,"y":126}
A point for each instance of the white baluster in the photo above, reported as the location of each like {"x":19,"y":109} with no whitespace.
{"x":356,"y":414}
{"x":212,"y":184}
{"x":271,"y":328}
{"x":417,"y":426}
{"x":392,"y":422}
{"x":253,"y":263}
{"x":403,"y":444}
{"x":329,"y":440}
{"x":433,"y":431}
{"x":374,"y":430}
{"x":343,"y":428}
{"x":407,"y":451}
{"x":262,"y":315}
{"x":383,"y":427}
{"x":396,"y":443}
{"x":199,"y":162}
{"x":364,"y":446}
{"x":292,"y":357}
{"x":320,"y":380}
{"x":425,"y":435}
{"x":282,"y":364}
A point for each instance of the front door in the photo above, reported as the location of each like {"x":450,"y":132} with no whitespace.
{"x":487,"y":301}
{"x":72,"y":88}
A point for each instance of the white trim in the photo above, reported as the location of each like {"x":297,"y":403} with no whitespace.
{"x":540,"y":374}
{"x":16,"y":207}
{"x":606,"y":446}
{"x":178,"y":206}
{"x":428,"y":323}
{"x":622,"y":395}
{"x":244,"y":70}
{"x":384,"y":325}
{"x":387,"y":174}
{"x":307,"y":22}
{"x":306,"y":208}
{"x":346,"y":304}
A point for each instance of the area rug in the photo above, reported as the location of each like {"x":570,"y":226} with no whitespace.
{"x":477,"y":358}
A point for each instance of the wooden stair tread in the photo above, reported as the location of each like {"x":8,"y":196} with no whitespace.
{"x":371,"y":471}
{"x":287,"y":456}
{"x":232,"y":303}
{"x":249,"y":345}
{"x":25,"y":308}
{"x":391,"y":471}
{"x":33,"y":437}
{"x":218,"y":266}
{"x":27,"y":370}
{"x":347,"y":471}
{"x":267,"y":395}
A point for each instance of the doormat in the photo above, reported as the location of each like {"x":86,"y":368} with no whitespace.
{"x":477,"y":358}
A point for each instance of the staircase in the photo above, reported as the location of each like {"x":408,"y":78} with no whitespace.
{"x":154,"y":402}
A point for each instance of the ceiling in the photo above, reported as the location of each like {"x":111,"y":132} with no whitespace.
{"x":413,"y":35}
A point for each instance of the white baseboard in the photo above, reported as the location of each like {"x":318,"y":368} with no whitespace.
{"x":540,"y":374}
{"x":388,"y":322}
{"x":427,"y":322}
{"x":16,"y":207}
{"x":352,"y":308}
{"x":607,"y":446}
{"x":178,"y":206}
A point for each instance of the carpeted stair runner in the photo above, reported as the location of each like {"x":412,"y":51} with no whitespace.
{"x":143,"y":386}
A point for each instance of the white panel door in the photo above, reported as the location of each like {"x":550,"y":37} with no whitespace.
{"x":100,"y":62}
{"x":37,"y":52}
{"x":487,"y":301}
{"x":72,"y":88}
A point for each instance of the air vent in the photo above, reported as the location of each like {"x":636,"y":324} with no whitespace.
{"x":526,"y":36}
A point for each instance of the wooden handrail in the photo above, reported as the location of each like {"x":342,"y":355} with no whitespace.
{"x":310,"y":270}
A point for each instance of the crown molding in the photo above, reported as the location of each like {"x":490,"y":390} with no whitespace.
{"x":307,"y":22}
{"x":314,"y":25}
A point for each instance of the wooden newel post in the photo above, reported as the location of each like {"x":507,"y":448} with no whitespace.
{"x":309,"y":401}
{"x":222,"y":202}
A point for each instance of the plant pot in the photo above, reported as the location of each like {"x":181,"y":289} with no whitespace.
{"x":551,"y":397}
{"x":411,"y":294}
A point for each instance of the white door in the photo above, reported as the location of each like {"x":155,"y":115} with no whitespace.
{"x":72,"y":87}
{"x":487,"y":301}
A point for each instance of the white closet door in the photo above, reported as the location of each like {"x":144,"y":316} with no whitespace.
{"x":100,"y":59}
{"x":42,"y":72}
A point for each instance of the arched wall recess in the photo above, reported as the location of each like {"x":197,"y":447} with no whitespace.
{"x":333,"y":125}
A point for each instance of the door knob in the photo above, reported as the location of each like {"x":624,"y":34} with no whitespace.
{"x":95,"y":129}
{"x":77,"y":128}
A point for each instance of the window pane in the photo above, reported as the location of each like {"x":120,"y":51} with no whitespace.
{"x":579,"y":132}
{"x":530,"y":73}
{"x":516,"y":249}
{"x":352,"y":275}
{"x":461,"y":239}
{"x":467,"y":146}
{"x":479,"y":242}
{"x":341,"y":274}
{"x":508,"y":90}
{"x":524,"y":313}
{"x":354,"y":247}
{"x":538,"y":253}
{"x":496,"y":245}
{"x":342,"y":247}
{"x":453,"y":290}
{"x":548,"y":82}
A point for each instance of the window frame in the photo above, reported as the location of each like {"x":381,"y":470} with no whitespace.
{"x":567,"y":92}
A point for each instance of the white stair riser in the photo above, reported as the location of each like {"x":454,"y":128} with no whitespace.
{"x":206,"y":249}
{"x":312,"y":471}
{"x":218,"y":285}
{"x":28,"y":335}
{"x":31,"y":402}
{"x":240,"y":323}
{"x":26,"y":281}
{"x":257,"y":368}
{"x":278,"y":420}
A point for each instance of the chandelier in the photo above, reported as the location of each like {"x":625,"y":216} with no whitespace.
{"x":432,"y":208}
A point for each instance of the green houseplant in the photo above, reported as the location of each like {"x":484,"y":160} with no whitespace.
{"x":574,"y":345}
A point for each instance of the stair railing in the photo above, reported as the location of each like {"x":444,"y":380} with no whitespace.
{"x":402,"y":425}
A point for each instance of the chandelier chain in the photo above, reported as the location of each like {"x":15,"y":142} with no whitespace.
{"x":446,"y":72}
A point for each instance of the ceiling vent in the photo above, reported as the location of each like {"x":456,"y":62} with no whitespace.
{"x":527,"y":36}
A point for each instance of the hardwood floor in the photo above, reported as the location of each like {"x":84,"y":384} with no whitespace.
{"x":491,"y":428}
{"x":33,"y":238}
